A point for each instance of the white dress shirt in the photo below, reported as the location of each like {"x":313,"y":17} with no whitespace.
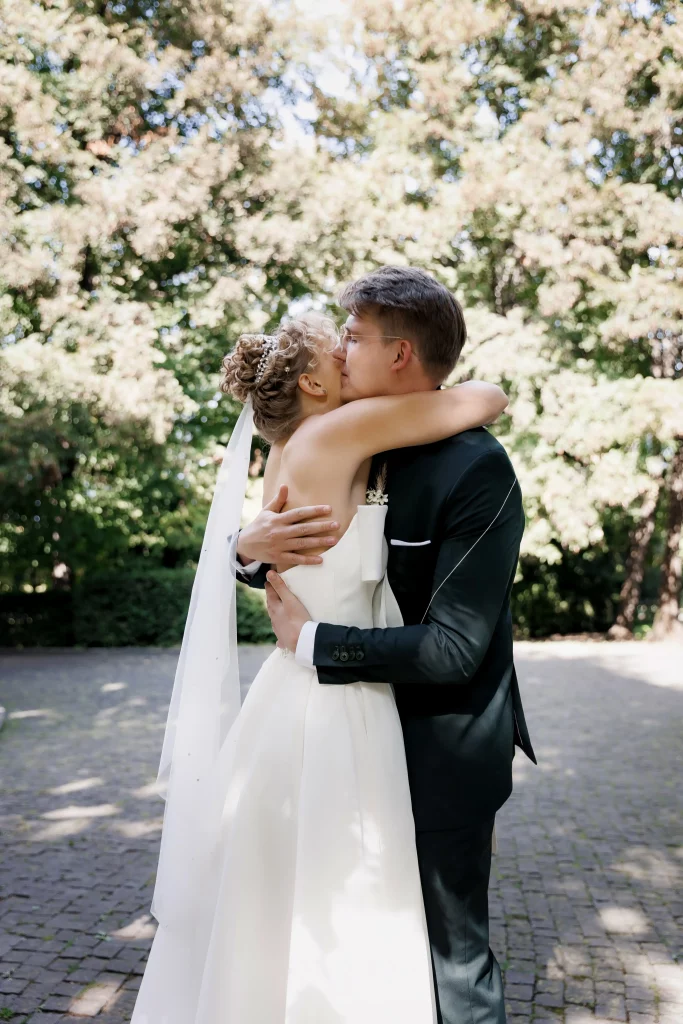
{"x":246,"y":570}
{"x":306,"y":644}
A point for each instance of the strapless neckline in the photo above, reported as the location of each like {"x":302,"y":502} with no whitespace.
{"x":335,"y":547}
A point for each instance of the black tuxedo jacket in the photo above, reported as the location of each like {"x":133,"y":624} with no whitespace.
{"x":451,"y":663}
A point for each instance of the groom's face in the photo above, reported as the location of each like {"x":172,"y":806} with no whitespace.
{"x":366,"y":359}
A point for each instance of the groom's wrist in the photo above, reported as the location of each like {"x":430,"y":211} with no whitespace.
{"x":242,"y":557}
{"x":236,"y":561}
{"x":306,"y":644}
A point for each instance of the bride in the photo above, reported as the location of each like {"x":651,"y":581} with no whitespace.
{"x":288,"y":889}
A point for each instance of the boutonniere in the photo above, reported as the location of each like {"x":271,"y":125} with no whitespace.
{"x":376,"y":495}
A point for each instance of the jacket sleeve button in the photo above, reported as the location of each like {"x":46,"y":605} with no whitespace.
{"x":359,"y":655}
{"x":343,"y":656}
{"x":335,"y":654}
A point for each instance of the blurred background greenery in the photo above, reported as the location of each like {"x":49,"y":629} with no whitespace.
{"x":173,"y":173}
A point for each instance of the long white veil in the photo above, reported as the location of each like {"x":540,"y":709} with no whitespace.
{"x":204,"y":703}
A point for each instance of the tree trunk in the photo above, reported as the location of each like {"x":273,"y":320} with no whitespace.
{"x":635,"y":569}
{"x":667,"y":625}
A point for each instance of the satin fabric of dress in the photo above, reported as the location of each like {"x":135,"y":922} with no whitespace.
{"x":314,"y":909}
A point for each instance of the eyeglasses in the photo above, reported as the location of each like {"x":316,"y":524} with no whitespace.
{"x":345,"y":334}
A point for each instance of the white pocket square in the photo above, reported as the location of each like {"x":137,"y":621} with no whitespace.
{"x":409,"y":543}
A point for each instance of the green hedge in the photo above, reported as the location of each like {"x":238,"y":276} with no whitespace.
{"x":576,"y":595}
{"x":30,"y":620}
{"x":114,"y":609}
{"x":147,"y":607}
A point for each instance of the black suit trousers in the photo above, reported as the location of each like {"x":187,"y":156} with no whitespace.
{"x":455,"y":865}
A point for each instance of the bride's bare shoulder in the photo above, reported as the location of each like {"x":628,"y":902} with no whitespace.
{"x":315,"y":451}
{"x":316,"y":467}
{"x":315,"y":438}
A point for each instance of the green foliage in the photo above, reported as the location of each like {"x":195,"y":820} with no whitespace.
{"x":138,"y":608}
{"x":119,"y":609}
{"x":37,"y":620}
{"x":253,"y":624}
{"x":161,"y":194}
{"x":134,"y":149}
{"x":572,"y":596}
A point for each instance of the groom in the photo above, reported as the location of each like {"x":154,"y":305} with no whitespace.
{"x":454,"y":524}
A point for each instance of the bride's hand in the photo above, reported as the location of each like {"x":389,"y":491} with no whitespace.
{"x":280,"y":538}
{"x":287,"y":614}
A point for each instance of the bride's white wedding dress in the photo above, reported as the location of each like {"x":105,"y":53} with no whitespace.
{"x":315,"y":912}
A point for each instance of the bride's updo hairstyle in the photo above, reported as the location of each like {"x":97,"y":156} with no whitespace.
{"x":268,"y":367}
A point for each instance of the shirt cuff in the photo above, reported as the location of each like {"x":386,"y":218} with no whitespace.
{"x":245,"y":570}
{"x":306,"y":644}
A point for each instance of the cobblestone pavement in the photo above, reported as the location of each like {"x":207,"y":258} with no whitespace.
{"x":586,"y":898}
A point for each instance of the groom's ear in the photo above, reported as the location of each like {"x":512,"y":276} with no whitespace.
{"x":404,"y":353}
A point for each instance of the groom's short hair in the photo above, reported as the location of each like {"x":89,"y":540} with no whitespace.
{"x":411,"y":304}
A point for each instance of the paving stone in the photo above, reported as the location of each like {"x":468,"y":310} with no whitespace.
{"x":586,"y":912}
{"x":93,"y":999}
{"x":611,"y":1009}
{"x":519,"y":992}
{"x":67,"y":988}
{"x":57,"y":1003}
{"x":551,"y":999}
{"x":11,"y":986}
{"x":517,"y":1006}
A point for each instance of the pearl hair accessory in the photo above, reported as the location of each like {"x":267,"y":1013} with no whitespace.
{"x":270,"y":343}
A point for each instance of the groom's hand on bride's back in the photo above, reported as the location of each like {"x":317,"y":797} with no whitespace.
{"x":284,"y":538}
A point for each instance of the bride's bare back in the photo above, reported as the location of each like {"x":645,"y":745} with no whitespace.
{"x":328,"y":477}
